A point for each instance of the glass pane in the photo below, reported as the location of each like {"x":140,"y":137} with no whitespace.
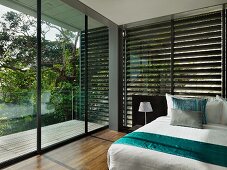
{"x":61,"y":30}
{"x":98,"y":75}
{"x":17,"y":78}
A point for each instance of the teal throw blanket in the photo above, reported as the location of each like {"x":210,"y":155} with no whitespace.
{"x":201,"y":151}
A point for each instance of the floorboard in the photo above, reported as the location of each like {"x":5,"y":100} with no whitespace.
{"x":89,"y":153}
{"x":14,"y":145}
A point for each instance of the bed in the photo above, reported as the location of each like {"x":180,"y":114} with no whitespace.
{"x":129,"y":157}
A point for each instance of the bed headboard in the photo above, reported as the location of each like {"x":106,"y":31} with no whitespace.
{"x":159,"y":106}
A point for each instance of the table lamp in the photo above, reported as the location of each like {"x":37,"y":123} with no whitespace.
{"x":145,"y":107}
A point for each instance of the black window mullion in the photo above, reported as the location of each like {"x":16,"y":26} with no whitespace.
{"x":86,"y":74}
{"x":125,"y":75}
{"x":224,"y":51}
{"x":39,"y":30}
{"x":172,"y":57}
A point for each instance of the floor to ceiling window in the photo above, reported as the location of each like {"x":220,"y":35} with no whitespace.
{"x":42,"y":95}
{"x":97,"y":78}
{"x":183,"y":56}
{"x":61,"y":27}
{"x":17,"y":80}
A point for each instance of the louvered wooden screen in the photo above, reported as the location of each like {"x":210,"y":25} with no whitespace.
{"x":98,"y":75}
{"x":196,"y":48}
{"x":197,"y":55}
{"x":147,"y":63}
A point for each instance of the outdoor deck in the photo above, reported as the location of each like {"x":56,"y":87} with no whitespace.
{"x":17,"y":144}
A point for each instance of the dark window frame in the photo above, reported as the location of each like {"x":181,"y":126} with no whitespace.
{"x":218,"y":73}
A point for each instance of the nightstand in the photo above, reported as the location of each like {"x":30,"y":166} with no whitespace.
{"x":134,"y":128}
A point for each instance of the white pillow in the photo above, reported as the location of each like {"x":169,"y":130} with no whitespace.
{"x":210,"y":99}
{"x":169,"y":104}
{"x":214,"y":111}
{"x":224,"y":110}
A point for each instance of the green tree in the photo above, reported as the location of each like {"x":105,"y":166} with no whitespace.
{"x":18,"y":52}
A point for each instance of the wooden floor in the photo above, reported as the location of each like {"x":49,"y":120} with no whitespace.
{"x":89,"y":153}
{"x":17,"y":144}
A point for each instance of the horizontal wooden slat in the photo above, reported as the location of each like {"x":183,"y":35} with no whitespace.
{"x":149,"y":32}
{"x":199,"y":36}
{"x":198,"y":18}
{"x":190,"y":27}
{"x":148,"y":42}
{"x":198,"y":42}
{"x":149,"y":27}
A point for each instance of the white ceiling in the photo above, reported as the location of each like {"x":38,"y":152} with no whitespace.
{"x":53,"y":11}
{"x":128,"y":11}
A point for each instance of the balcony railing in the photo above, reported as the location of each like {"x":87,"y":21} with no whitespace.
{"x":18,"y":110}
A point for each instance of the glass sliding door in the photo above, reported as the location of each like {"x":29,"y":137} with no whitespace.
{"x":97,"y":75}
{"x":61,"y":31}
{"x":17,"y":78}
{"x":74,"y":88}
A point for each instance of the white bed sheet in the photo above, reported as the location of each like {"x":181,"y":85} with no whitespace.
{"x":126,"y":157}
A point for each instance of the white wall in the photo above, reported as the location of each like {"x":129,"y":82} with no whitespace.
{"x":127,"y":11}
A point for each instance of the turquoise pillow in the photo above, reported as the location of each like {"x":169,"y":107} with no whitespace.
{"x":191,"y":105}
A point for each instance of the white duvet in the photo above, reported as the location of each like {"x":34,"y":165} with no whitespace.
{"x":125,"y":157}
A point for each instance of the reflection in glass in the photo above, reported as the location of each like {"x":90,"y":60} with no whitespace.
{"x":61,"y":30}
{"x":98,"y":74}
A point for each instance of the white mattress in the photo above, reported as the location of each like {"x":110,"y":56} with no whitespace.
{"x":126,"y":157}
